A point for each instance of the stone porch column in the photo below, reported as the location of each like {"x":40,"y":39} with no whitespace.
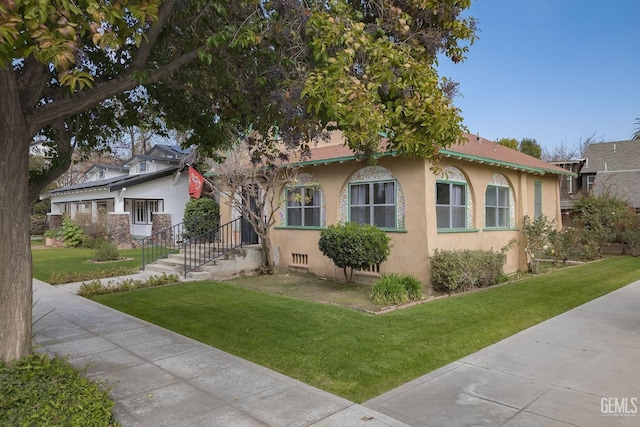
{"x":119,"y":229}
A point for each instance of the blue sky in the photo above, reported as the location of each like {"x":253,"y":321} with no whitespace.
{"x":554,"y":70}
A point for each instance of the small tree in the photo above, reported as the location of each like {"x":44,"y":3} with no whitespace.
{"x":537,"y":234}
{"x":254,"y":188}
{"x":201,"y":216}
{"x":354,"y":246}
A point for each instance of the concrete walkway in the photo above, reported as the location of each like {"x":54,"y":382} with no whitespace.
{"x":581,"y":368}
{"x":160,"y":378}
{"x":577,"y":369}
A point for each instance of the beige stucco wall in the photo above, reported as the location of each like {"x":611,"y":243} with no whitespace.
{"x":412,"y":246}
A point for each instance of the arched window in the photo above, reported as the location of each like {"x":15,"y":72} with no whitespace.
{"x":373,"y":196}
{"x":453,"y":204}
{"x":498,"y":203}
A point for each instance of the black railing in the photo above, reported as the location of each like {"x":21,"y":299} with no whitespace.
{"x":212,"y":244}
{"x":198,"y":247}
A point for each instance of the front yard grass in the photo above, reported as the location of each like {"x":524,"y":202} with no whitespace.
{"x":358,"y":355}
{"x":49,"y":262}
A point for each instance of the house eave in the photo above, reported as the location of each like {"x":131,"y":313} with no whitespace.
{"x":503,"y":164}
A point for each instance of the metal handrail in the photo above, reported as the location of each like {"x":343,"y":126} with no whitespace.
{"x":169,"y":241}
{"x":198,"y":249}
{"x":210,"y":245}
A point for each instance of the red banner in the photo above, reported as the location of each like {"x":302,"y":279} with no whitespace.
{"x":196,"y":181}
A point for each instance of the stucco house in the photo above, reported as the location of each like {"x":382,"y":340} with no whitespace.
{"x":128,"y":195}
{"x":475,"y":200}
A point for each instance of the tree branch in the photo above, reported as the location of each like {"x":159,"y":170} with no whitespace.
{"x":32,"y":82}
{"x":152,"y":36}
{"x":77,"y":103}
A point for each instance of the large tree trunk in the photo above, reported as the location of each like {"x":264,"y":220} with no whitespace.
{"x":15,"y":251}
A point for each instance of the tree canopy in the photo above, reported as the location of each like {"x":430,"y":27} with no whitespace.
{"x":75,"y":72}
{"x":531,"y":147}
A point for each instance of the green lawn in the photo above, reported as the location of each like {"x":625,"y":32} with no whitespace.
{"x":357,"y":355}
{"x":51,"y":261}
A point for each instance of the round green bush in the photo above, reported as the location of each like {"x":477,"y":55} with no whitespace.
{"x":354,"y":246}
{"x":201,"y":216}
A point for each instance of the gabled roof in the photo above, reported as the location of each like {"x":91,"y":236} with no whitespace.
{"x":171,"y":150}
{"x":103,"y":166}
{"x":612,"y":156}
{"x":149,"y":158}
{"x":475,"y":149}
{"x":113,"y":184}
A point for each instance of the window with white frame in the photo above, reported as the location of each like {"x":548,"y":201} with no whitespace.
{"x":591,"y":180}
{"x":497,"y":207}
{"x":143,"y":210}
{"x":373,"y":203}
{"x":303,"y":207}
{"x":451,"y":205}
{"x":142,"y":167}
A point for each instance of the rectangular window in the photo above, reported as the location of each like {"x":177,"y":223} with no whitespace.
{"x":303,"y":207}
{"x":373,"y":203}
{"x":537,"y":199}
{"x":497,"y":207}
{"x":143,"y":210}
{"x":451,"y":205}
{"x":143,"y":167}
{"x":591,"y":180}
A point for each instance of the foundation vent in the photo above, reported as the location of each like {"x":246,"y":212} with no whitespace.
{"x":300,"y":259}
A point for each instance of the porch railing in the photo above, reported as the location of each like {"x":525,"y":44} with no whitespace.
{"x":198,"y":247}
{"x":212,"y":244}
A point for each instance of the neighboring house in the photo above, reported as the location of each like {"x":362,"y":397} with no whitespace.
{"x":570,"y":185}
{"x":475,"y":200}
{"x":613,"y":167}
{"x":133,"y":192}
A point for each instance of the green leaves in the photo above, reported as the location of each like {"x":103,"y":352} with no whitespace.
{"x":54,"y":31}
{"x":39,"y":390}
{"x":354,"y":246}
{"x":369,"y":83}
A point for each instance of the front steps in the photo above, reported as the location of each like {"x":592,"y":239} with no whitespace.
{"x":240,"y":261}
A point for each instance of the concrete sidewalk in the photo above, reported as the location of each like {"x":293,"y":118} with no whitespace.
{"x":160,"y":378}
{"x":577,"y":369}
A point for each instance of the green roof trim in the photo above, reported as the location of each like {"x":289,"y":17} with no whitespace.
{"x":509,"y":165}
{"x":338,"y":159}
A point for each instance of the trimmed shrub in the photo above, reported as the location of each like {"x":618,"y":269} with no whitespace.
{"x":461,"y":270}
{"x":201,"y":216}
{"x":354,"y":246}
{"x":58,"y":278}
{"x":38,"y":390}
{"x":106,"y":251}
{"x":96,"y":287}
{"x":396,"y":289}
